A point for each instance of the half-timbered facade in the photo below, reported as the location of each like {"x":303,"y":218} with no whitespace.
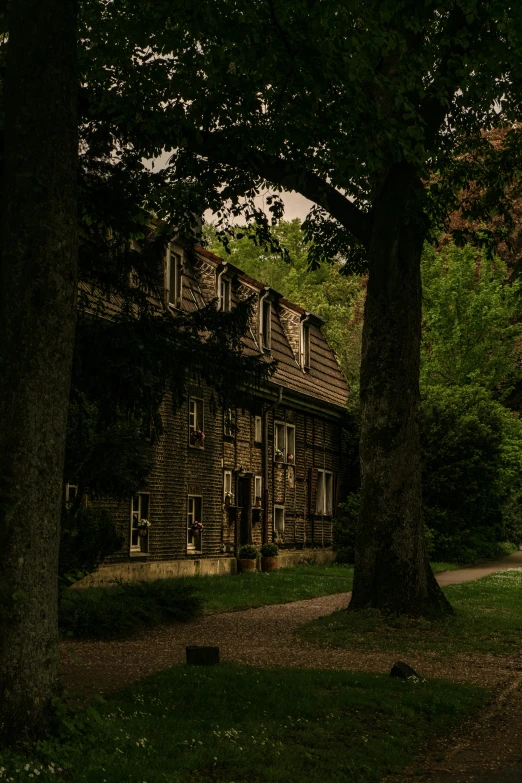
{"x":272,"y":470}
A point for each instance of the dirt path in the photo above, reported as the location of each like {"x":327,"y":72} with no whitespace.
{"x":265,"y":637}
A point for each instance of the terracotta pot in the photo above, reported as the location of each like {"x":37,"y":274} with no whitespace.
{"x":227,"y":501}
{"x":247,"y":566}
{"x":143,"y":532}
{"x":269,"y":563}
{"x":278,"y":459}
{"x":257,"y":504}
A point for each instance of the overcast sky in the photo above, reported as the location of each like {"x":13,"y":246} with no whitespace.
{"x":296,"y":206}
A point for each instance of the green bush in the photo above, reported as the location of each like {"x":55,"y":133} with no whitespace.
{"x":269,"y":550}
{"x":248,"y":552}
{"x":472,"y":470}
{"x":105,"y":613}
{"x":88,"y":536}
{"x":345,"y":528}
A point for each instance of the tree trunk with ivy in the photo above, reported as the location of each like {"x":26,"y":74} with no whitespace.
{"x":38,"y":291}
{"x":392,"y":571}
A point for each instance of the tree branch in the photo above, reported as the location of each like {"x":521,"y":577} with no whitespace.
{"x":220,"y":148}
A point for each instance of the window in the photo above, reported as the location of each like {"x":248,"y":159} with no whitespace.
{"x":194,"y":523}
{"x":227,"y":487}
{"x":279,"y":520}
{"x":284,"y":442}
{"x":258,"y":491}
{"x":196,"y":434}
{"x":71,"y":491}
{"x":174,"y":279}
{"x":228,"y":427}
{"x":224,"y":294}
{"x":266,"y":317}
{"x":305,"y":346}
{"x":140,"y":522}
{"x":324,"y":504}
{"x":258,"y":429}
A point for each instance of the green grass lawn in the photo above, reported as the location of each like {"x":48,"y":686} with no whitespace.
{"x":236,"y":724}
{"x":244,"y":591}
{"x":488,"y":619}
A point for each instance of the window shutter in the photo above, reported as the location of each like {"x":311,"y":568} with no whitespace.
{"x":312,"y":490}
{"x":334,"y":494}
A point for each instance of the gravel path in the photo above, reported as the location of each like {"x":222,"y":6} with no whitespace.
{"x":258,"y":637}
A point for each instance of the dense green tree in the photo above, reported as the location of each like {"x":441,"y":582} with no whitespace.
{"x":373,"y":111}
{"x":471,"y":331}
{"x":472,"y":472}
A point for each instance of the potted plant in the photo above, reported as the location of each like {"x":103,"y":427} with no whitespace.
{"x":197,"y":528}
{"x":269,"y":557}
{"x":279,"y":455}
{"x":290,"y":458}
{"x":228,"y":498}
{"x":197,"y":437}
{"x":247,"y":558}
{"x":258,"y":502}
{"x":143,"y":527}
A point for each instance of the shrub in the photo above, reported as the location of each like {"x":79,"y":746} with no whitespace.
{"x":345,"y":528}
{"x":248,"y":552}
{"x":105,"y":613}
{"x":269,"y":550}
{"x":472,"y":467}
{"x":88,"y":536}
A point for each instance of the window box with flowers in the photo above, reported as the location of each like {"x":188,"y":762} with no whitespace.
{"x":143,"y":527}
{"x":196,"y":438}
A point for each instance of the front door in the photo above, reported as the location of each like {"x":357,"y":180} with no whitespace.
{"x":243,"y":501}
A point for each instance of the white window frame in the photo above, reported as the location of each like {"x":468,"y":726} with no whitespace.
{"x":196,"y":418}
{"x":192,"y":542}
{"x":228,"y":425}
{"x":174,"y":279}
{"x":70,"y":497}
{"x":284,"y":439}
{"x":258,"y":488}
{"x":227,"y":483}
{"x":304,"y":353}
{"x":258,"y":429}
{"x":136,"y":515}
{"x":225,"y":294}
{"x":265,"y":324}
{"x":324,"y":501}
{"x":278,"y":525}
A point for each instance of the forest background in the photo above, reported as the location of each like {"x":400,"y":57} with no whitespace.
{"x":470,"y":371}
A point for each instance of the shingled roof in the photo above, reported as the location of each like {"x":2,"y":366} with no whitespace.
{"x":323,"y":380}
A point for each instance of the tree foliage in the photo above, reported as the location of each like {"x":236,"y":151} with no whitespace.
{"x":471,"y":331}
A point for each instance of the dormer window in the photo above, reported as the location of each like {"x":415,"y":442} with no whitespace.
{"x":305,"y":347}
{"x":224,"y":294}
{"x":265,"y":324}
{"x":174,"y":279}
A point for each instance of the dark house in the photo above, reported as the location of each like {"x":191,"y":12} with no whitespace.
{"x":271,"y":471}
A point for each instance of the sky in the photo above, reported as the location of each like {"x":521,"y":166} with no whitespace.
{"x":296,"y":206}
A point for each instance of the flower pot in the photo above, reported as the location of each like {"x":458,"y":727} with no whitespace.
{"x":257,"y":504}
{"x":247,"y":566}
{"x":269,"y":563}
{"x":227,"y":501}
{"x":143,"y":532}
{"x":278,"y":459}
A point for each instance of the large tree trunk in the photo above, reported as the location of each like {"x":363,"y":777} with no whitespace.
{"x":392,"y":571}
{"x":38,"y":290}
